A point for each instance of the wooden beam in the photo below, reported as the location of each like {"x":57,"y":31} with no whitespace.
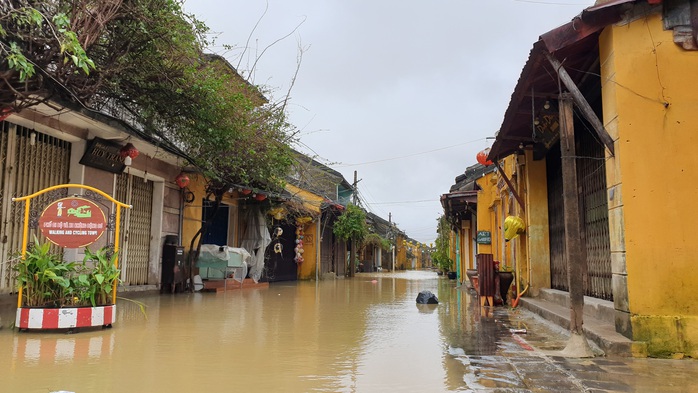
{"x":582,"y":103}
{"x":511,"y":187}
{"x":575,"y":250}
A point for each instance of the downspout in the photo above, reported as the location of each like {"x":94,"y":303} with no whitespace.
{"x":180,"y":224}
{"x":318,"y":242}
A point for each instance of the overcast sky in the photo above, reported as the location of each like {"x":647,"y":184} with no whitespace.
{"x":402,"y":91}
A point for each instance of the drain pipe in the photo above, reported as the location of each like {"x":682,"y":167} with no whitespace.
{"x":318,"y":242}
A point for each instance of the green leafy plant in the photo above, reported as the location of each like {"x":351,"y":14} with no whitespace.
{"x":48,"y":281}
{"x":351,"y":224}
{"x":43,"y":275}
{"x":103,"y":275}
{"x":442,"y":255}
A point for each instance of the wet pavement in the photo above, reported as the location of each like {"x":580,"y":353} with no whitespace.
{"x":364,"y":334}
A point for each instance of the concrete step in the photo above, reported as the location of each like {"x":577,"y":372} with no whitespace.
{"x":551,"y":307}
{"x":593,"y":307}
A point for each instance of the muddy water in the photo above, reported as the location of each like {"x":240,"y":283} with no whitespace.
{"x":356,"y":335}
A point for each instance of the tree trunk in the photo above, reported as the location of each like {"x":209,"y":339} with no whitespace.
{"x":352,"y":259}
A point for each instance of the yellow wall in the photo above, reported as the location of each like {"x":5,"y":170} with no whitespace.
{"x":192,"y":211}
{"x":400,"y":253}
{"x":306,"y":270}
{"x":651,"y":181}
{"x":311,"y":202}
{"x":485,"y":204}
{"x":495,"y":203}
{"x":467,"y":261}
{"x":537,"y":271}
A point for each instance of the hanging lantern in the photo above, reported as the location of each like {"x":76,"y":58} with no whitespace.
{"x":245,"y":191}
{"x":129,"y":151}
{"x":182,"y":180}
{"x":5,"y":113}
{"x":260,"y":197}
{"x":482,"y":157}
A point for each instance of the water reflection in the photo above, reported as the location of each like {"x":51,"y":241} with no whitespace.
{"x":357,"y":335}
{"x":34,"y":350}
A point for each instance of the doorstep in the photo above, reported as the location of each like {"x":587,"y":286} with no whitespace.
{"x":599,"y":325}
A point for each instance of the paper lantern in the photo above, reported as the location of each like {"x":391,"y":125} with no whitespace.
{"x":129,"y":151}
{"x":482,"y":157}
{"x":260,"y":197}
{"x":182,"y":180}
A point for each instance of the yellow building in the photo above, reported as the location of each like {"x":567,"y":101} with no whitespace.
{"x":461,"y":208}
{"x":628,"y":97}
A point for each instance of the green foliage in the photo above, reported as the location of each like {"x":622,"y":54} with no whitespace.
{"x":442,"y":256}
{"x":25,"y":28}
{"x":102,"y":276}
{"x":44,"y":276}
{"x":351,"y":224}
{"x":375,"y":239}
{"x":144,"y":62}
{"x":203,"y":104}
{"x":48,"y":281}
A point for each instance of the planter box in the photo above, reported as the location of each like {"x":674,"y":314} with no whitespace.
{"x":65,"y":318}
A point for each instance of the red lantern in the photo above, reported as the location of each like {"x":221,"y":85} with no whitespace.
{"x":129,"y":151}
{"x":245,"y":191}
{"x":482,"y":157}
{"x":260,"y":197}
{"x":182,"y":180}
{"x":5,"y":113}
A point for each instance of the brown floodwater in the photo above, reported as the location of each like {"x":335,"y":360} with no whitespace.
{"x":364,"y":334}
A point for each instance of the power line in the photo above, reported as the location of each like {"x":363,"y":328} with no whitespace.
{"x":549,"y":2}
{"x":404,"y":202}
{"x":341,"y":165}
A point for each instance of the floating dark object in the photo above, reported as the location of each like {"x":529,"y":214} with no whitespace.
{"x":426,"y":297}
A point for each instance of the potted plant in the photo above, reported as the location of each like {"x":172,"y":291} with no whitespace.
{"x":58,"y":294}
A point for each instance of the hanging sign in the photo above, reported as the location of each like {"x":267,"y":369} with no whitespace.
{"x":72,"y":222}
{"x":104,"y":154}
{"x":484,"y":237}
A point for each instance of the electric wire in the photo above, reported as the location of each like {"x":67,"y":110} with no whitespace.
{"x":342,"y":165}
{"x":549,"y":2}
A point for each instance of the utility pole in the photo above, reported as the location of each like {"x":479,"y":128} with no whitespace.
{"x":352,"y":253}
{"x":394,"y":238}
{"x":356,"y":191}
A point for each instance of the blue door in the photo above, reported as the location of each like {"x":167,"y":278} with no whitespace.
{"x":217,"y":232}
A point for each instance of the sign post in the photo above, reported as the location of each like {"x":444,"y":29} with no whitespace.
{"x":71,"y":222}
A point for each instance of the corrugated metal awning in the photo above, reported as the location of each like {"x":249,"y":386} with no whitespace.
{"x":575,"y":44}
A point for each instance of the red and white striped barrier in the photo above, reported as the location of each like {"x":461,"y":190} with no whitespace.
{"x":64,"y":318}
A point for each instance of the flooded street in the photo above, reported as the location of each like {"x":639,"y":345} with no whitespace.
{"x":336,"y":336}
{"x":356,"y":335}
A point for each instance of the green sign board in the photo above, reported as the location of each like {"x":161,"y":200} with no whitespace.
{"x":484,"y":237}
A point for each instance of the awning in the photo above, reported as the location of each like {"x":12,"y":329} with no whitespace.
{"x":575,"y":45}
{"x":460,"y":205}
